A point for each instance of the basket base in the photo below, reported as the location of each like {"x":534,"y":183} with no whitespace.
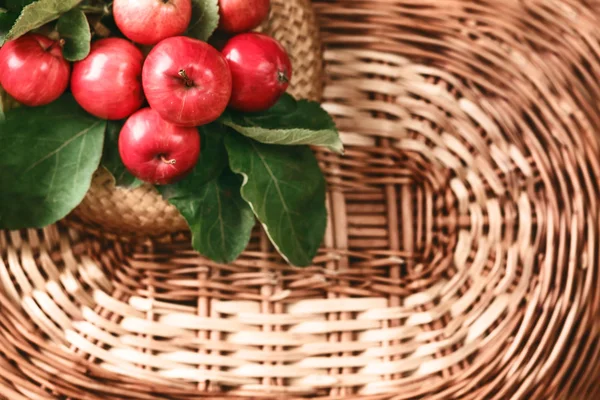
{"x":460,"y":262}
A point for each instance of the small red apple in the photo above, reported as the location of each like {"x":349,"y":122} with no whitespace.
{"x":150,"y":21}
{"x":157,"y":151}
{"x":261,"y":71}
{"x":242,"y":15}
{"x":108,"y":82}
{"x":187,"y":81}
{"x":33,"y":70}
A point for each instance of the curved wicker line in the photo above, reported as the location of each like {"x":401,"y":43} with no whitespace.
{"x":461,"y":259}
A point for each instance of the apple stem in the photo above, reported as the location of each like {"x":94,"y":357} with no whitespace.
{"x":186,"y":79}
{"x":60,"y":42}
{"x":282,"y":77}
{"x":170,"y":162}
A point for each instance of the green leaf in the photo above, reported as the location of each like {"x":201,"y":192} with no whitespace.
{"x":47,"y":158}
{"x":7,"y":20}
{"x":17,"y":5}
{"x":286,"y":190}
{"x":6,"y":103}
{"x":209,"y":199}
{"x":288,"y":123}
{"x":74,"y":28}
{"x":111,"y":159}
{"x":220,"y":220}
{"x":3,"y":104}
{"x":212,"y":162}
{"x":205,"y":19}
{"x":37,"y":14}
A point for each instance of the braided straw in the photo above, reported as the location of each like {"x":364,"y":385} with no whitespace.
{"x":111,"y":211}
{"x":461,"y":259}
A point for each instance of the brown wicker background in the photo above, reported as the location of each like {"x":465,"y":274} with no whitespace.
{"x":461,"y":259}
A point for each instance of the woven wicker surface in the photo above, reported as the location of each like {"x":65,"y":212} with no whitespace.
{"x":461,"y":259}
{"x":143,"y":212}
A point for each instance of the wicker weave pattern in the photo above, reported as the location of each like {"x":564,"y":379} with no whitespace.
{"x":107,"y":210}
{"x":461,"y":259}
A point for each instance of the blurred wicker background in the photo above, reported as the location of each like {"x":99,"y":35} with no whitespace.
{"x":461,"y":259}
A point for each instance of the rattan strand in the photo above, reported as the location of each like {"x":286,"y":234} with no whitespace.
{"x":460,"y":262}
{"x":107,"y":210}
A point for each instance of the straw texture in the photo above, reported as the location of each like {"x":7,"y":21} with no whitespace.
{"x":461,"y":259}
{"x":114,"y":211}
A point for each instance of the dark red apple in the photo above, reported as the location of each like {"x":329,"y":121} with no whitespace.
{"x":187,"y":81}
{"x":157,"y":151}
{"x":261,"y":71}
{"x":242,"y":15}
{"x":108,"y":83}
{"x":150,"y":21}
{"x":33,"y":70}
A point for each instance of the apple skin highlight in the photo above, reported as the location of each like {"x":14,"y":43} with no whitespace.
{"x":261,"y":71}
{"x":107,"y":83}
{"x":156,"y":151}
{"x":237,"y":16}
{"x":33,"y":70}
{"x":148,"y":22}
{"x":187,"y":81}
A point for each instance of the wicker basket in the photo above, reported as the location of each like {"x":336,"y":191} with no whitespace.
{"x":461,"y":259}
{"x":142,"y":212}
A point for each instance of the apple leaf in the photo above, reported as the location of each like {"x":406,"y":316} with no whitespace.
{"x":3,"y":107}
{"x":220,"y":220}
{"x":74,"y":29}
{"x":7,"y":20}
{"x":6,"y":103}
{"x":212,"y":162}
{"x":205,"y":19}
{"x":111,"y":159}
{"x":289,"y":122}
{"x":36,"y":14}
{"x":17,"y":5}
{"x":47,"y":158}
{"x":3,"y":104}
{"x":286,"y":190}
{"x":209,"y":199}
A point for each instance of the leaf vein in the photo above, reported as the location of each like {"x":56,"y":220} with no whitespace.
{"x":65,"y":144}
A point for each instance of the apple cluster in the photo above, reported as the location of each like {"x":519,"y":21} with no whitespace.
{"x":185,"y":82}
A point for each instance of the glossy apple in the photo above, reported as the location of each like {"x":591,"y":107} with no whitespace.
{"x":187,"y":81}
{"x":108,"y":82}
{"x":33,"y":70}
{"x":261,"y":71}
{"x":150,"y":21}
{"x":242,"y":15}
{"x":157,"y":151}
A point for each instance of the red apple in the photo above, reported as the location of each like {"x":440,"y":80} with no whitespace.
{"x":261,"y":71}
{"x":150,"y":21}
{"x":108,"y":82}
{"x":33,"y":70}
{"x":242,"y":15}
{"x":187,"y":81}
{"x":157,"y":151}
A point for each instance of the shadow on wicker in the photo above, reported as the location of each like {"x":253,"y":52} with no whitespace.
{"x":461,"y":259}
